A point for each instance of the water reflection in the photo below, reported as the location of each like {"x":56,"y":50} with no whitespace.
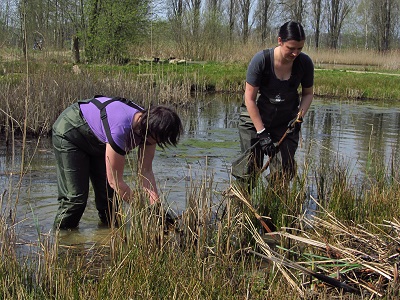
{"x":332,"y":130}
{"x":352,"y":132}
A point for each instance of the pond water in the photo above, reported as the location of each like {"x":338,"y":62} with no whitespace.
{"x":332,"y":130}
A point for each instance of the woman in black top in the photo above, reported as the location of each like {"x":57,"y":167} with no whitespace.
{"x":272,"y":102}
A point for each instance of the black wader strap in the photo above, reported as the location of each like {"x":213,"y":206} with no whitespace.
{"x":103,"y":114}
{"x":268,"y":68}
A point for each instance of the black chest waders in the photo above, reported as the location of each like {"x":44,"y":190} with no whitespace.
{"x":278,"y":104}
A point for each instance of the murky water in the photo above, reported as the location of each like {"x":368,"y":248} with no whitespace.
{"x":332,"y":130}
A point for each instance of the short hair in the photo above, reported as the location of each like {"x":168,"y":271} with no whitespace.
{"x":163,"y":124}
{"x":292,"y":31}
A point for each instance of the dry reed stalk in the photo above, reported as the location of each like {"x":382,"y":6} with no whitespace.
{"x":367,"y":260}
{"x":269,"y":254}
{"x":278,"y":258}
{"x":237,"y":192}
{"x":373,"y":257}
{"x":280,"y":261}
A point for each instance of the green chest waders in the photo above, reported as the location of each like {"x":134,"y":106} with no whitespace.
{"x":80,"y":157}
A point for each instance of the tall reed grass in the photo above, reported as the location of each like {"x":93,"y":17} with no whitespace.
{"x":214,"y":251}
{"x":51,"y":91}
{"x":242,"y":53}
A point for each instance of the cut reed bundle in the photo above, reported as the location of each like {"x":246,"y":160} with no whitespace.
{"x":360,"y":259}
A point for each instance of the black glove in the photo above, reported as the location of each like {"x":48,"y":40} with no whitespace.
{"x":295,"y":124}
{"x":267,"y":146}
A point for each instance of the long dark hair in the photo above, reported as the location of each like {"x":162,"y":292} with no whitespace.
{"x":292,"y":31}
{"x":163,"y":124}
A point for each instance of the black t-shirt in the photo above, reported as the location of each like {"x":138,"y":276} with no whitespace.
{"x":256,"y":67}
{"x":278,"y":100}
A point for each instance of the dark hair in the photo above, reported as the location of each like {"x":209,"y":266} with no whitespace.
{"x":163,"y":124}
{"x":292,"y":31}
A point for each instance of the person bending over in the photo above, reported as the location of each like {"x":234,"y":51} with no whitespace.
{"x":90,"y":140}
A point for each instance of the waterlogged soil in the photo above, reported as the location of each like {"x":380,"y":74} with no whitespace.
{"x":334,"y":132}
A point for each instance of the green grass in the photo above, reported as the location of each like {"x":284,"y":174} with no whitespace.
{"x":207,"y":76}
{"x":357,"y":85}
{"x":230,"y":77}
{"x":222,"y":77}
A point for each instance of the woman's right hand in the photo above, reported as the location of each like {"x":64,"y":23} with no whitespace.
{"x":266,"y":144}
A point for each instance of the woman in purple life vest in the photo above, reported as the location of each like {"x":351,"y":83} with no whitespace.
{"x":91,"y":139}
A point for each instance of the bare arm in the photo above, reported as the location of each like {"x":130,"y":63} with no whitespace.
{"x":307,"y":95}
{"x":145,"y":160}
{"x":115,"y":170}
{"x":115,"y":173}
{"x":250,"y":96}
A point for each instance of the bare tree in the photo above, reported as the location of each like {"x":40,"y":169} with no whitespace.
{"x":194,"y":8}
{"x":176,"y":19}
{"x":232,"y":9}
{"x":364,"y":13}
{"x":295,"y":9}
{"x":7,"y":21}
{"x":317,"y":15}
{"x":177,"y":8}
{"x":245,"y":9}
{"x":264,"y":13}
{"x":214,"y":5}
{"x":214,"y":29}
{"x":382,"y":24}
{"x":23,"y":32}
{"x":337,"y":10}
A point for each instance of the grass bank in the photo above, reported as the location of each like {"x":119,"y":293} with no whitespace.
{"x":47,"y":87}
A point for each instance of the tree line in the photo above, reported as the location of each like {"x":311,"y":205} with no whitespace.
{"x":197,"y":29}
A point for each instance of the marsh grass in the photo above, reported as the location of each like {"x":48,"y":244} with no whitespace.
{"x":350,"y":227}
{"x":357,"y":59}
{"x":138,"y":259}
{"x":50,"y":93}
{"x":215,"y":252}
{"x":359,"y":199}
